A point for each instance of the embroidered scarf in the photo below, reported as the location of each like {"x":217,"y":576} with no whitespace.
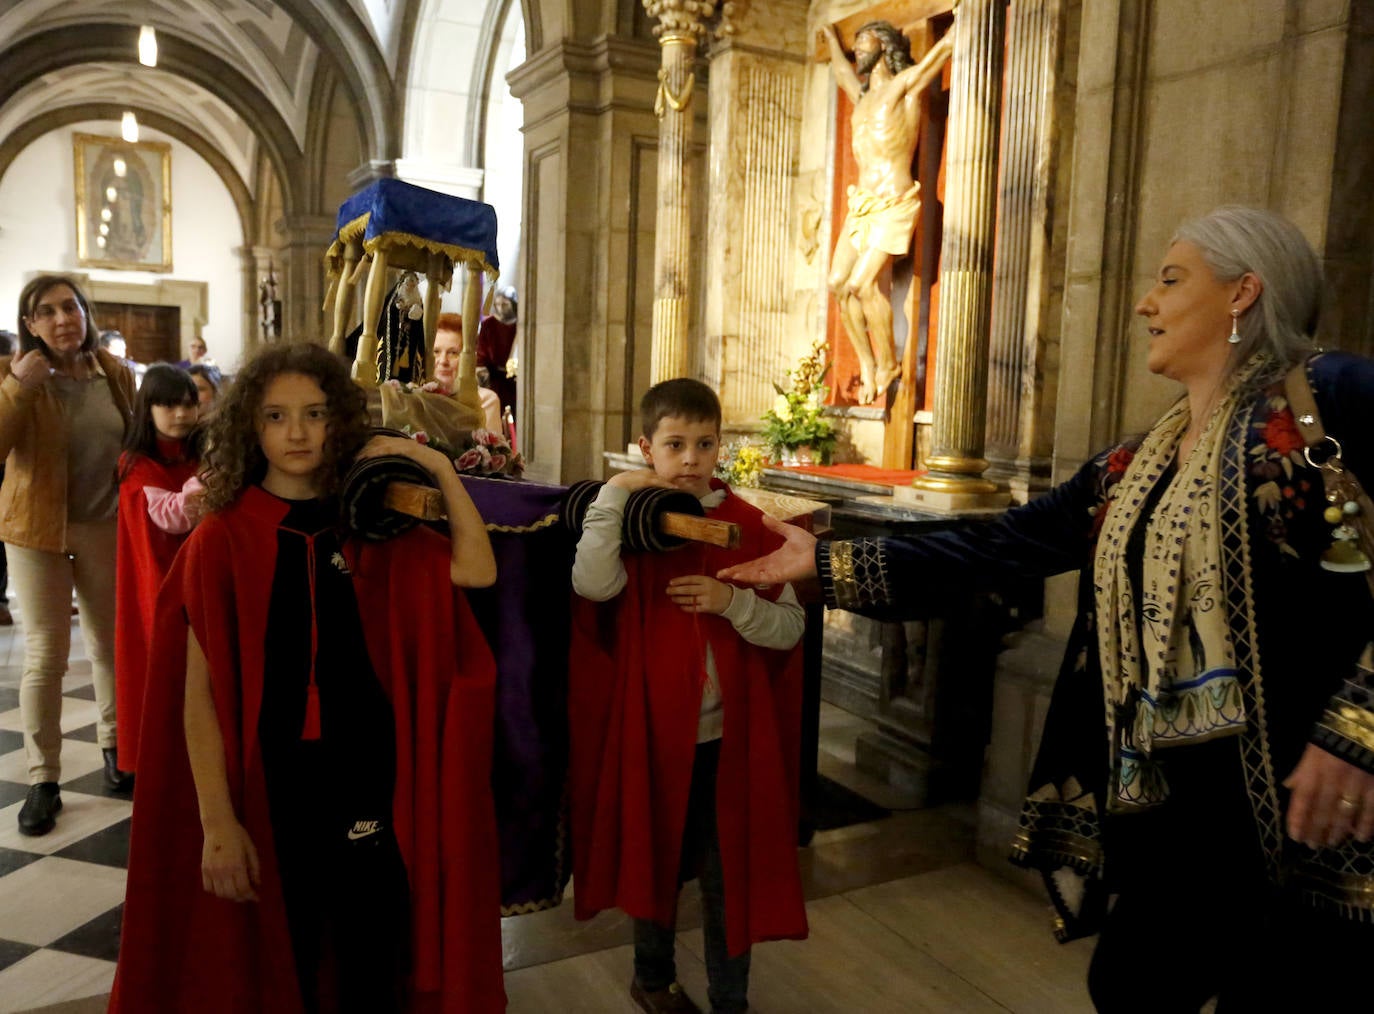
{"x":1167,"y":650}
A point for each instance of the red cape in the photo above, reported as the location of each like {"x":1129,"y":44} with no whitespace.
{"x":634,"y":698}
{"x":182,"y":949}
{"x":141,"y":562}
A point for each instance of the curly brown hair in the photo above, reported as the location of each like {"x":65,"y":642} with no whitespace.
{"x":233,"y":457}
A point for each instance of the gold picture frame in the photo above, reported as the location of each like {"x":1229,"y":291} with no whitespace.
{"x":123,"y":203}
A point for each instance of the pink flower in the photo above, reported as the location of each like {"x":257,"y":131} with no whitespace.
{"x":393,"y":382}
{"x":469,"y":459}
{"x":422,"y":437}
{"x":498,"y":462}
{"x":487,"y":438}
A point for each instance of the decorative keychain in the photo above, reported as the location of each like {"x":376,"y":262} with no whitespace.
{"x":1343,"y":493}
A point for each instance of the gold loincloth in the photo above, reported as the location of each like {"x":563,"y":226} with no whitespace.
{"x":882,"y":223}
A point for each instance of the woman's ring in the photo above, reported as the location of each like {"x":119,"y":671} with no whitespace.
{"x":1348,"y":803}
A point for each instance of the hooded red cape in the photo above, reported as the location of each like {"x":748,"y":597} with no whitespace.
{"x":634,"y":698}
{"x":183,"y":949}
{"x":142,"y":560}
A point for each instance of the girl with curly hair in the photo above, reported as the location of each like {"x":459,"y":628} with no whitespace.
{"x":326,"y":706}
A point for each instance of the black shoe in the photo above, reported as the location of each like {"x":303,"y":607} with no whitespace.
{"x":115,"y":779}
{"x":37,"y":815}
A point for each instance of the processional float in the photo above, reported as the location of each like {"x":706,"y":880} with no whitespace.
{"x":394,"y":226}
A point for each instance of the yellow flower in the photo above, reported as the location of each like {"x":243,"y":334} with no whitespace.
{"x":782,"y":408}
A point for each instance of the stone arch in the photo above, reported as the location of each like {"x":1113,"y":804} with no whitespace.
{"x":36,"y":127}
{"x":56,"y":49}
{"x":341,"y":33}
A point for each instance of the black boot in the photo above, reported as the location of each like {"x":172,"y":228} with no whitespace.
{"x":37,"y":815}
{"x":115,"y":779}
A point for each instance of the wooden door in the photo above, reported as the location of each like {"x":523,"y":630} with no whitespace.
{"x":152,"y":332}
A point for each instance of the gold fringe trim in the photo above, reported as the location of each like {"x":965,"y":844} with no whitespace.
{"x":546,"y":521}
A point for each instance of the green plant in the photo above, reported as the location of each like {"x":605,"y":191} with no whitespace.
{"x":797,"y":417}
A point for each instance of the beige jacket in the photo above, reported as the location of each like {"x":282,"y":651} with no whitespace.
{"x":33,"y":440}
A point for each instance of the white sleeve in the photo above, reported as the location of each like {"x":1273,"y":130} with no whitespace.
{"x":597,"y":572}
{"x":767,"y":624}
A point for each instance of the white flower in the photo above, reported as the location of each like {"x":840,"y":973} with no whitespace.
{"x":782,"y":408}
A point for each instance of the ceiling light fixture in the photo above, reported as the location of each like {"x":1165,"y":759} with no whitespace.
{"x":120,"y":167}
{"x":128,"y":128}
{"x":147,"y":46}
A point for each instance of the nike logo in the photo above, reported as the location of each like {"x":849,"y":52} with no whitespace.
{"x":363,"y":828}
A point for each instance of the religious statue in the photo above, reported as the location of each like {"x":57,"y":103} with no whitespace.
{"x":885,"y":86}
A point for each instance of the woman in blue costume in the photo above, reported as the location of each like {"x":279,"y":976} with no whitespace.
{"x":1208,"y":759}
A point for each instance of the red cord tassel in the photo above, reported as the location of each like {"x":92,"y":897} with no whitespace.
{"x":311,"y":729}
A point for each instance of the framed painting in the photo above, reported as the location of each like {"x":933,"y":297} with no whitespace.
{"x":123,"y":203}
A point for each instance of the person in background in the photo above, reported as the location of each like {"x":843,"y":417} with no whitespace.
{"x":496,"y":342}
{"x":65,"y":404}
{"x":157,"y":476}
{"x":200,"y":355}
{"x":7,"y":340}
{"x":207,"y":380}
{"x":113,"y":342}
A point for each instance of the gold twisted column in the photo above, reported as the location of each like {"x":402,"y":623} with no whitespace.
{"x":955,"y":477}
{"x":679,"y":27}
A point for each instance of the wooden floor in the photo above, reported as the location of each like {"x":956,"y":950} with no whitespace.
{"x":901,"y":917}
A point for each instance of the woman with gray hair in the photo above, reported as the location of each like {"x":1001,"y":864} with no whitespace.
{"x":1208,"y":757}
{"x":64,"y":406}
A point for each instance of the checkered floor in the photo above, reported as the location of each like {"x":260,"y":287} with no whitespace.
{"x":61,"y":895}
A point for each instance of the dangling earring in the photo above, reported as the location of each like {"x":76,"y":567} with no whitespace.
{"x":1234,"y":339}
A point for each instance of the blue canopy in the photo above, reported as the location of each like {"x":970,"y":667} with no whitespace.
{"x":404,"y":213}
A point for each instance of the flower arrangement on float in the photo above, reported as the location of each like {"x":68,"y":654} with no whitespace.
{"x":480,"y":453}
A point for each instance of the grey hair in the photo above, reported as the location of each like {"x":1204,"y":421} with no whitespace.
{"x":1235,"y":241}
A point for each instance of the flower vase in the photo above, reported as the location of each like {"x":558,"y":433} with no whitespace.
{"x":799,"y":455}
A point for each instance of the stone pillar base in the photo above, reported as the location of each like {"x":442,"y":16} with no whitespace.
{"x":951,"y":501}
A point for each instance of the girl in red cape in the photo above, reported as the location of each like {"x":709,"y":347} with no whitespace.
{"x":161,"y":455}
{"x":313,"y":828}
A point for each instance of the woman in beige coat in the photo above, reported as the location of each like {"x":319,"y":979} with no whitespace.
{"x":64,"y":405}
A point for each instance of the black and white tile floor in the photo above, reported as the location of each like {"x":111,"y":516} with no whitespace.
{"x":62,"y":894}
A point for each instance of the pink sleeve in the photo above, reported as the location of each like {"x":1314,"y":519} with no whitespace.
{"x":167,"y":508}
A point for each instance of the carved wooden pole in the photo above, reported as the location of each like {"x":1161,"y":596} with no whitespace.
{"x":956,"y":464}
{"x":680,"y":25}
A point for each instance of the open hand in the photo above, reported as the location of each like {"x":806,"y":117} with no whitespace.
{"x":794,"y":560}
{"x":697,"y":593}
{"x":229,"y":863}
{"x":31,"y":368}
{"x":1331,"y":800}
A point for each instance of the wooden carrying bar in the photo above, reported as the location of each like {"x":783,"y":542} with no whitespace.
{"x":427,"y":503}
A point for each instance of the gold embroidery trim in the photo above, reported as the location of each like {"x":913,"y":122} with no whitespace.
{"x":544,"y":522}
{"x":842,"y":574}
{"x":1352,"y":723}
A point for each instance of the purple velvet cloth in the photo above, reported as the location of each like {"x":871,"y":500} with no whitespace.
{"x":525,"y":616}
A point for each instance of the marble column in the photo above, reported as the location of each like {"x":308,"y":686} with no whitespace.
{"x":679,"y":28}
{"x":757,"y":78}
{"x":955,"y":480}
{"x":1018,"y":433}
{"x":305,"y":239}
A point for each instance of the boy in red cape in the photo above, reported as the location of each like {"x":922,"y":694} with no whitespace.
{"x":684,"y":706}
{"x":313,"y":828}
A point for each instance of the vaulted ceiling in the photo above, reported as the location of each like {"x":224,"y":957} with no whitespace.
{"x":244,"y":76}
